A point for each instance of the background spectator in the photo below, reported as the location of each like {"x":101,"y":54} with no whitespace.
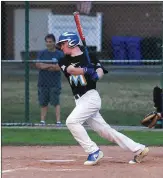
{"x":49,"y":80}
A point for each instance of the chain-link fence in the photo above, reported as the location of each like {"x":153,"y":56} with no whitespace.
{"x":125,"y":36}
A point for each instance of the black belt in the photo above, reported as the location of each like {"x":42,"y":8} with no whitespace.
{"x":77,"y":96}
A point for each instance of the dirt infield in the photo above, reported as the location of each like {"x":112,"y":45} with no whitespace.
{"x":67,"y":162}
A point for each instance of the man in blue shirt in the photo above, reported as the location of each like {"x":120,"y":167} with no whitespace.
{"x":49,"y":79}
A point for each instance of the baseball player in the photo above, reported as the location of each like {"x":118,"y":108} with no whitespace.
{"x":82,"y":79}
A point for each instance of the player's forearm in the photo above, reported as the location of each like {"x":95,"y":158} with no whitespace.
{"x":43,"y":66}
{"x":100,"y":73}
{"x":75,"y":71}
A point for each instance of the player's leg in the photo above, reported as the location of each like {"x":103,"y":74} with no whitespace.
{"x":55,"y":101}
{"x":85,"y":108}
{"x":74,"y":123}
{"x":43,"y":97}
{"x":98,"y":124}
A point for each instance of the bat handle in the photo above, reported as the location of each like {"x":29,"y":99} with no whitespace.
{"x":87,"y":55}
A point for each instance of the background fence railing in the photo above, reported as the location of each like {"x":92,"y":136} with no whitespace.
{"x":126,"y":37}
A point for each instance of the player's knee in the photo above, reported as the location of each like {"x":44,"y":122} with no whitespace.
{"x":70,"y":122}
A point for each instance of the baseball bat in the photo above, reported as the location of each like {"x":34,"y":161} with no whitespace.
{"x":81,"y":34}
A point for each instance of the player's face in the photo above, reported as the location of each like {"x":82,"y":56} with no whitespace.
{"x":50,"y":44}
{"x":65,"y":48}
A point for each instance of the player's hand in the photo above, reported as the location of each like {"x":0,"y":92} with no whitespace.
{"x":91,"y":72}
{"x":95,"y":76}
{"x":88,"y":71}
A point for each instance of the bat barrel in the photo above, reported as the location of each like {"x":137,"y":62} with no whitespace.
{"x":78,"y":25}
{"x":81,"y":34}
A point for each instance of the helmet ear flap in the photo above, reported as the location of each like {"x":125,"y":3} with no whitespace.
{"x":73,"y":43}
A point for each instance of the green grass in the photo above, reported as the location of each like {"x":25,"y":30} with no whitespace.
{"x":125,"y":99}
{"x":64,"y":137}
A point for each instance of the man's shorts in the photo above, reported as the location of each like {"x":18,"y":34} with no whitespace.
{"x":48,"y":95}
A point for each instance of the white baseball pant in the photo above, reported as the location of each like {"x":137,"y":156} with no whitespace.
{"x":87,"y":109}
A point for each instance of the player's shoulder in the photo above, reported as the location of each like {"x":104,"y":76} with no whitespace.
{"x":63,"y":60}
{"x":63,"y":63}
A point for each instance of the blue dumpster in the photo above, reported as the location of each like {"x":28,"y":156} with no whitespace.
{"x":126,"y":48}
{"x":119,"y":49}
{"x":134,"y":49}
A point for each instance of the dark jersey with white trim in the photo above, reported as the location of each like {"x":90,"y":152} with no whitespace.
{"x":80,"y":84}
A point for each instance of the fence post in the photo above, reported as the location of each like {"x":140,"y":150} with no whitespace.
{"x":26,"y":61}
{"x":162,"y":62}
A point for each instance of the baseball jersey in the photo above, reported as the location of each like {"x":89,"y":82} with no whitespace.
{"x":80,"y":84}
{"x":49,"y":78}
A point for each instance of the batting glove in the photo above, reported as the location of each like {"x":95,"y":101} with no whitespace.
{"x":88,"y":71}
{"x":95,"y":76}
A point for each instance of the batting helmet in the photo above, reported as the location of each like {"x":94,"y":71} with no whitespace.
{"x":71,"y":37}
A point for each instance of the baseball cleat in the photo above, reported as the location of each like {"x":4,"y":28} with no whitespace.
{"x":138,"y":158}
{"x":94,"y":158}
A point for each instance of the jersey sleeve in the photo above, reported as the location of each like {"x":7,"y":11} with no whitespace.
{"x":63,"y":63}
{"x":97,"y":63}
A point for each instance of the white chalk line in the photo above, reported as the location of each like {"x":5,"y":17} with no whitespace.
{"x":70,"y":160}
{"x":56,"y":161}
{"x":13,"y":170}
{"x":58,"y":170}
{"x":107,"y":157}
{"x":52,"y":161}
{"x":41,"y":169}
{"x":78,"y":155}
